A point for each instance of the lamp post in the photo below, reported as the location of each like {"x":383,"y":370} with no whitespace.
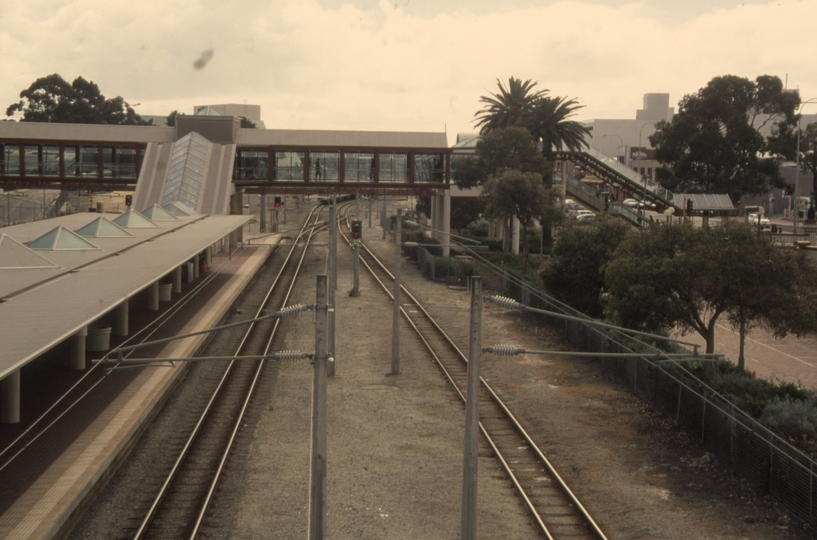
{"x":797,"y":166}
{"x":643,"y":212}
{"x":620,"y":140}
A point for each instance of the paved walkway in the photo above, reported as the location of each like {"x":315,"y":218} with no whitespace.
{"x":789,"y":359}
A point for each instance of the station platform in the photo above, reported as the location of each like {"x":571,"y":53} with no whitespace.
{"x":61,"y":484}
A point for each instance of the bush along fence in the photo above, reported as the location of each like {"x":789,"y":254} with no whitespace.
{"x":768,"y":462}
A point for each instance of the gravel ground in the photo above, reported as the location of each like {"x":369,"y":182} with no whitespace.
{"x":395,"y":443}
{"x":394,"y":455}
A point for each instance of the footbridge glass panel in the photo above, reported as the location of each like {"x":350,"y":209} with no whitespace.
{"x":324,"y":166}
{"x":394,"y":168}
{"x":288,"y":166}
{"x":11,"y":160}
{"x":50,"y":161}
{"x":429,"y":168}
{"x":32,"y":160}
{"x":359,"y":166}
{"x":251,"y":164}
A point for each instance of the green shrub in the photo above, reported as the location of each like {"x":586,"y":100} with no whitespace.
{"x":791,"y":418}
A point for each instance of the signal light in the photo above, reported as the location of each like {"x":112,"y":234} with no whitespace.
{"x":128,"y":200}
{"x":689,"y":206}
{"x":277,"y":202}
{"x":357,"y":229}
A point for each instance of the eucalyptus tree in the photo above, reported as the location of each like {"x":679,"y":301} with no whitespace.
{"x":53,"y":99}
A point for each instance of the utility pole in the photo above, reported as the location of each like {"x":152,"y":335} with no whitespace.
{"x":317,"y":491}
{"x":333,"y":280}
{"x":470,"y":464}
{"x":395,"y":330}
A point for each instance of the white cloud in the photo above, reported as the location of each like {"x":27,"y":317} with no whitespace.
{"x":350,"y":68}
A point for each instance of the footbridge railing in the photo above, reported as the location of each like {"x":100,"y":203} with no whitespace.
{"x":619,"y":175}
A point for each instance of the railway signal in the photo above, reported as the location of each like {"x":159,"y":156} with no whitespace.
{"x":357,"y":229}
{"x":277,"y":202}
{"x":128,"y":200}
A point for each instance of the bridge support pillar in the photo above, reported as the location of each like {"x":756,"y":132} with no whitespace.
{"x":10,"y":398}
{"x":262,"y":212}
{"x":515,"y":240}
{"x":441,"y":220}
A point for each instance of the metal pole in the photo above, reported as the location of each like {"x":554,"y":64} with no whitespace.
{"x":333,"y":281}
{"x":356,"y":286}
{"x":395,"y":329}
{"x":470,"y":466}
{"x":317,"y":490}
{"x":370,"y":212}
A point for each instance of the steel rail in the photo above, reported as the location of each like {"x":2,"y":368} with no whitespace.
{"x":192,"y":438}
{"x":152,"y":328}
{"x":563,"y":487}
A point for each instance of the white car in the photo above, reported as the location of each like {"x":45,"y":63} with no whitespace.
{"x":630,"y":203}
{"x":585,"y":215}
{"x":765,"y":224}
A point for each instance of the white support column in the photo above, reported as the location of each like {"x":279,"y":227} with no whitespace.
{"x":208,"y":256}
{"x":78,"y":349}
{"x":515,"y":241}
{"x":122,"y":318}
{"x":446,"y":223}
{"x":153,"y":296}
{"x":10,"y":398}
{"x":196,"y":267}
{"x":177,"y":279}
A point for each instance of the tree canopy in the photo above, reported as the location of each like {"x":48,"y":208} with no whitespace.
{"x":679,"y":276}
{"x":506,"y":148}
{"x":508,"y":107}
{"x":575,"y":274}
{"x":53,"y":99}
{"x":715,"y":145}
{"x":513,"y":193}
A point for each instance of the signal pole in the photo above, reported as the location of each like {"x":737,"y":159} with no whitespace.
{"x":357,"y":232}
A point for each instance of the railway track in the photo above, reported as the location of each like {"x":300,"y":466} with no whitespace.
{"x":180,"y":506}
{"x":550,"y":503}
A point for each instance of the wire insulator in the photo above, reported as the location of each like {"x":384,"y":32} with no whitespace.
{"x":505,"y":302}
{"x":291,"y":355}
{"x":504,"y":350}
{"x":293,"y":310}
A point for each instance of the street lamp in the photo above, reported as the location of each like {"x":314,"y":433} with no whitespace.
{"x":797,"y":166}
{"x":638,"y":168}
{"x":620,"y":140}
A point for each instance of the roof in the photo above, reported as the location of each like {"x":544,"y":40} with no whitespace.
{"x":86,"y":284}
{"x":341,"y":139}
{"x":709,"y":202}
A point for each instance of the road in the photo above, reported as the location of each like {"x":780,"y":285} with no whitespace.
{"x":791,"y":359}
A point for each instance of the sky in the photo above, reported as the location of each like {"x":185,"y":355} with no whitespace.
{"x":401,"y":65}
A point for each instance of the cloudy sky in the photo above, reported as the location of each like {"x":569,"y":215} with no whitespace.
{"x":401,"y":65}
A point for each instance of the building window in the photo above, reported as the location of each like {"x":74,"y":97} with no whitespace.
{"x":358,"y":166}
{"x":324,"y":166}
{"x":393,"y":168}
{"x":288,"y":166}
{"x":429,"y":168}
{"x":251,"y":164}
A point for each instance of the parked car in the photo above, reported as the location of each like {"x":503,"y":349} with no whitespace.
{"x":585,"y":215}
{"x":630,"y":203}
{"x":765,"y":224}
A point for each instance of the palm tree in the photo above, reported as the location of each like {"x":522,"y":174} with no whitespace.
{"x":509,"y":107}
{"x":547,"y":121}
